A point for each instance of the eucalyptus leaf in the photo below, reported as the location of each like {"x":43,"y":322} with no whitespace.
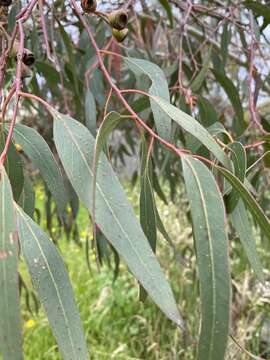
{"x":27,"y":198}
{"x":90,"y":112}
{"x":38,"y":151}
{"x":50,"y":279}
{"x":13,"y":166}
{"x":114,"y":214}
{"x":233,"y":95}
{"x":159,"y":88}
{"x":243,"y":227}
{"x":10,"y":323}
{"x":248,"y":199}
{"x":209,"y":229}
{"x":193,"y":127}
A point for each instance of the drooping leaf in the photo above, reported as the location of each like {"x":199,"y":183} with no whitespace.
{"x":233,"y":95}
{"x":50,"y":279}
{"x":249,"y":200}
{"x":36,"y":148}
{"x":27,"y":198}
{"x":239,"y":160}
{"x":259,"y":9}
{"x":13,"y":166}
{"x":193,"y":127}
{"x":225,"y":40}
{"x":208,"y":114}
{"x":209,"y":229}
{"x":167,"y":7}
{"x":244,"y":230}
{"x":10,"y":324}
{"x":90,"y":112}
{"x":147,"y":206}
{"x":199,"y":79}
{"x":159,"y":88}
{"x":114,"y":215}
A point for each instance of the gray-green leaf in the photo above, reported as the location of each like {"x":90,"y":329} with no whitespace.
{"x":249,"y":200}
{"x":90,"y":112}
{"x":40,"y":154}
{"x":50,"y":279}
{"x":10,"y":324}
{"x":209,"y":228}
{"x":193,"y":127}
{"x":114,"y":214}
{"x":243,"y":228}
{"x":159,"y":88}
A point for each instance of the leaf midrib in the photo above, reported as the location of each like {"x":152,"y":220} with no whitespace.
{"x":53,"y":179}
{"x":108,"y":204}
{"x":204,"y":207}
{"x":52,"y":277}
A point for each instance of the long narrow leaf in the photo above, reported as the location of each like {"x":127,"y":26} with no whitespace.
{"x":115,"y":216}
{"x":10,"y":327}
{"x":50,"y":279}
{"x":40,"y":154}
{"x":243,"y":228}
{"x":249,"y":200}
{"x":193,"y":127}
{"x":159,"y":88}
{"x":209,"y":228}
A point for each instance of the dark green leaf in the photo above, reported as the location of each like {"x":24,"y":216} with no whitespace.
{"x":147,"y":206}
{"x":10,"y":327}
{"x":244,"y":230}
{"x":14,"y":168}
{"x":27,"y":198}
{"x":208,"y":114}
{"x":233,"y":95}
{"x":259,"y":9}
{"x":199,"y":79}
{"x":239,"y":160}
{"x":90,"y":112}
{"x":167,"y":7}
{"x":209,"y":228}
{"x":114,"y":215}
{"x":249,"y":200}
{"x":50,"y":279}
{"x":225,"y":40}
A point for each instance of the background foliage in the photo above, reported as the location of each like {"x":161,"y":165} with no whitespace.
{"x":172,"y":99}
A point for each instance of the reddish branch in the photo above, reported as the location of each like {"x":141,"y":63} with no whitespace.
{"x":251,"y":98}
{"x":117,"y":91}
{"x":20,"y":19}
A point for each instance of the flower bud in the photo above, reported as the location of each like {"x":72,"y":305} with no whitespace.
{"x":120,"y":35}
{"x":88,"y":6}
{"x":118,"y":19}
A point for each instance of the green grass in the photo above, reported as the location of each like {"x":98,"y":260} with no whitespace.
{"x":118,"y":326}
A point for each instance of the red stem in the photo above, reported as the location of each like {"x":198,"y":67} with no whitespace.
{"x":178,"y":151}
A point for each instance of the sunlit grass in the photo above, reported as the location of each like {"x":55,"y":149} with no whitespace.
{"x":118,"y":326}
